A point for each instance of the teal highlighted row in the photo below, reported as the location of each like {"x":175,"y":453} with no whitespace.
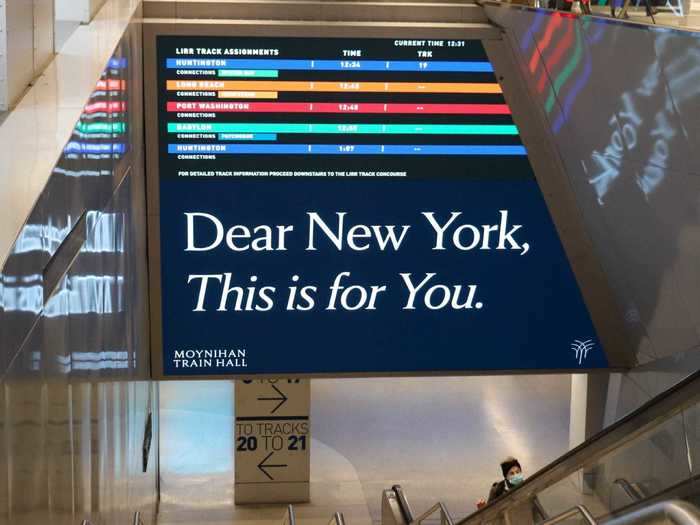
{"x":418,"y":129}
{"x":247,"y":136}
{"x":249,"y":73}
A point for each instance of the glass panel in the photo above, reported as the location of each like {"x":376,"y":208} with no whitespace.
{"x":576,"y":489}
{"x":650,"y":464}
{"x":692,"y":429}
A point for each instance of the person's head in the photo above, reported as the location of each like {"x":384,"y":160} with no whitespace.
{"x":512,"y":471}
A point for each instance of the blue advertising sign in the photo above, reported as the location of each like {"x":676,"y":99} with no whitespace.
{"x":345,"y":206}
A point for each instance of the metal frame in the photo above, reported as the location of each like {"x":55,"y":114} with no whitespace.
{"x":289,"y":517}
{"x":137,"y":518}
{"x":573,"y":511}
{"x":594,"y":287}
{"x":337,"y":519}
{"x":445,"y":517}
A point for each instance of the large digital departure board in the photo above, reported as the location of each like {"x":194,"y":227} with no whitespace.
{"x":353,"y":206}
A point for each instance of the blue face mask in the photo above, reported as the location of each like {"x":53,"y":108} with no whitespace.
{"x":516,"y":479}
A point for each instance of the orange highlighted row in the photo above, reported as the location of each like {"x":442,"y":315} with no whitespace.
{"x":277,"y":85}
{"x":247,"y":94}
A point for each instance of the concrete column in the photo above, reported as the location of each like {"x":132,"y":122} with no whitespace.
{"x":272,"y":441}
{"x":588,"y":397}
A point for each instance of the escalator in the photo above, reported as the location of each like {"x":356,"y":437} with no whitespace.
{"x":645,"y":468}
{"x":290,"y":517}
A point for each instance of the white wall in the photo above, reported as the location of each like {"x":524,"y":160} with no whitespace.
{"x":73,"y":10}
{"x":26,"y":45}
{"x":78,"y":10}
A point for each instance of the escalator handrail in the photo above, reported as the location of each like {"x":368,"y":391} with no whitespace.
{"x":337,"y":519}
{"x":578,"y":509}
{"x":403,"y":503}
{"x":290,"y":518}
{"x":652,"y":413}
{"x":678,"y":491}
{"x":676,"y":511}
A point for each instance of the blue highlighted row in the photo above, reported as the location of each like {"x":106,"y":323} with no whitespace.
{"x":86,"y":147}
{"x":117,"y":63}
{"x":247,"y":136}
{"x":331,"y":65}
{"x":344,"y":149}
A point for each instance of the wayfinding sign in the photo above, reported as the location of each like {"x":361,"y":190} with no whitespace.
{"x":273,"y":440}
{"x":349,"y":207}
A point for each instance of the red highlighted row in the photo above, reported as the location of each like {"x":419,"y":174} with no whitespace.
{"x":338,"y":107}
{"x":105,"y":107}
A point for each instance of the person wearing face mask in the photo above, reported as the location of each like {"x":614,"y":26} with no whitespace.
{"x":512,"y":477}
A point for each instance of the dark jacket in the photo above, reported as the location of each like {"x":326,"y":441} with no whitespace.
{"x":498,"y":489}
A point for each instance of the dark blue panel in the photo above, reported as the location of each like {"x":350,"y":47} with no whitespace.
{"x":532,"y":310}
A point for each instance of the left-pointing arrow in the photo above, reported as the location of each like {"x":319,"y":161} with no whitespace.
{"x":282,"y":399}
{"x":262,"y":466}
